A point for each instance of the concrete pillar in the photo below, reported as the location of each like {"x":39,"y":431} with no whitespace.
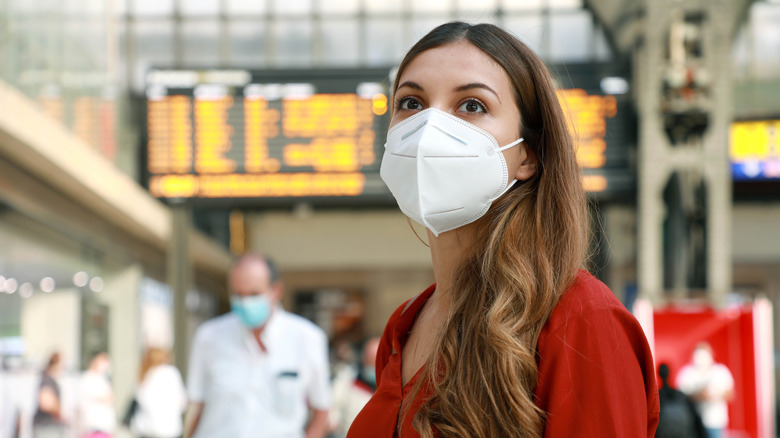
{"x":706,"y":155}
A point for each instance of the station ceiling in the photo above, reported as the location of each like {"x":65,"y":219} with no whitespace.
{"x":623,"y":19}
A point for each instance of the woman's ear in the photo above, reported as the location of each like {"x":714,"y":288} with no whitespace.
{"x":527,"y":167}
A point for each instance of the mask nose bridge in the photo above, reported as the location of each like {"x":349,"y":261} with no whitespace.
{"x":414,"y":131}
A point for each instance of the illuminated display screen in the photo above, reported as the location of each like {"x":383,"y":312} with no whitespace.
{"x":315,"y":134}
{"x":230,"y":135}
{"x":754,"y":149}
{"x":601,"y":119}
{"x":91,"y":118}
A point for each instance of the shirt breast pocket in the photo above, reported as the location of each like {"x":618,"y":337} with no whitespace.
{"x":289,"y":391}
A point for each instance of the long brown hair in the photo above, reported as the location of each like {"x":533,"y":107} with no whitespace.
{"x":527,"y":250}
{"x":153,"y":357}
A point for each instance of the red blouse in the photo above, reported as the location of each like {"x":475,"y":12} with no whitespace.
{"x":596,"y":372}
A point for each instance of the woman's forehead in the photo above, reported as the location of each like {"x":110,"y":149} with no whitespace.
{"x":458,"y":62}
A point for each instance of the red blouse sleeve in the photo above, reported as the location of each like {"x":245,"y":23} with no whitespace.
{"x":596,"y":372}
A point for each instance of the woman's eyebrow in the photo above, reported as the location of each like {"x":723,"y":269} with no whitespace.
{"x":410,"y":84}
{"x":473,"y":85}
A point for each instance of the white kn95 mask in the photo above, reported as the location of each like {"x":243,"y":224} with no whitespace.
{"x":443,"y":171}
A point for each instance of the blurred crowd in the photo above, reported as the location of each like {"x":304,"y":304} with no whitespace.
{"x":59,"y":403}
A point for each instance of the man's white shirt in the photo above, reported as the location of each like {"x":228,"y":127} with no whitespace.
{"x":718,"y":381}
{"x":247,"y":392}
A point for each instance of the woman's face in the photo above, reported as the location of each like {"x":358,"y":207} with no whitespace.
{"x":460,"y":79}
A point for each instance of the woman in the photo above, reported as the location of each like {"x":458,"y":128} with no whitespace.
{"x":48,"y":420}
{"x":161,"y":398}
{"x":513,"y":339}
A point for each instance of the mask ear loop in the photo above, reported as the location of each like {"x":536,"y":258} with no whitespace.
{"x":514,"y":143}
{"x":409,"y":221}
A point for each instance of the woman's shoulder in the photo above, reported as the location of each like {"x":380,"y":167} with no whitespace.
{"x":586,"y":297}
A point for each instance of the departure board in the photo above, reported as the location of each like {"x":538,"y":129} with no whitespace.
{"x":241,"y":134}
{"x":754,"y":150}
{"x":318,"y":135}
{"x":596,"y":100}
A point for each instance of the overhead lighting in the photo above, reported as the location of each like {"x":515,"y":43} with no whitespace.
{"x":614,"y":85}
{"x":2,"y":283}
{"x":11,"y":285}
{"x":96,"y":284}
{"x":80,"y":279}
{"x":47,"y":284}
{"x":26,"y":290}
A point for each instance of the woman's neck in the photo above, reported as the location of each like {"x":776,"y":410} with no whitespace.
{"x":448,"y":252}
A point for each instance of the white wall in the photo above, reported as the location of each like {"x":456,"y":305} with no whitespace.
{"x":121,"y":295}
{"x":338,"y":240}
{"x":52,"y":322}
{"x":756,"y":233}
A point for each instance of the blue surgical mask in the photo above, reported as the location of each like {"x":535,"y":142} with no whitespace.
{"x":252,"y":310}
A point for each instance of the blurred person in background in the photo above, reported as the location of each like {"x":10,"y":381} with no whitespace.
{"x":48,"y":420}
{"x":514,"y":339}
{"x":10,"y":412}
{"x":344,"y":362}
{"x":678,"y":418}
{"x":351,"y":394}
{"x":161,"y":398}
{"x":711,"y":386}
{"x":258,"y":370}
{"x":97,"y":416}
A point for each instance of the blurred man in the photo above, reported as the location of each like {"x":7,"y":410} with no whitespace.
{"x":256,"y":371}
{"x":710,"y":385}
{"x":350,"y":394}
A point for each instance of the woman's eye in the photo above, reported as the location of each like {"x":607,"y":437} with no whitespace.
{"x":409,"y":103}
{"x":472,"y":106}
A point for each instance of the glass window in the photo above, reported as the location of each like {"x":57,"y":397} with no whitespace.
{"x":200,"y":43}
{"x":440,"y":6}
{"x":200,"y":7}
{"x":765,"y":19}
{"x":122,"y":61}
{"x":486,"y":6}
{"x":565,"y":4}
{"x":247,"y":44}
{"x":153,"y":46}
{"x":152,"y":7}
{"x":570,"y":37}
{"x":382,"y":6}
{"x":340,"y":42}
{"x":384,"y":41}
{"x":35,"y":7}
{"x":293,"y":43}
{"x":339,"y":6}
{"x":85,"y":45}
{"x":484,"y":16}
{"x":246,"y":7}
{"x":477,"y":5}
{"x":528,"y":28}
{"x":83,"y":8}
{"x":520,"y":5}
{"x":421,"y":26}
{"x":120,"y":7}
{"x":292,"y":7}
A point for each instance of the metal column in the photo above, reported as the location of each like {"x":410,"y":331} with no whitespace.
{"x":180,"y":279}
